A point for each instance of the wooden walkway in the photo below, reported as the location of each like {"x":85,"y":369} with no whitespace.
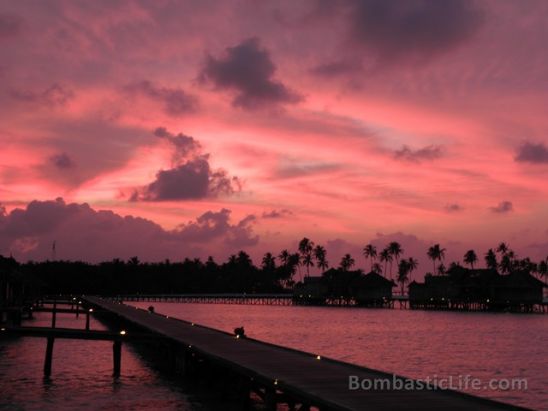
{"x":319,"y":382}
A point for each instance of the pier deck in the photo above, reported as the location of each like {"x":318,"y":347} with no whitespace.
{"x":320,"y":382}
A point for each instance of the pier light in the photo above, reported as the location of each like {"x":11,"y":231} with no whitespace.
{"x":123,"y":332}
{"x":79,"y":302}
{"x":318,"y":357}
{"x":90,"y":310}
{"x":190,"y":346}
{"x":237,"y":336}
{"x":73,"y":298}
{"x":192,"y":324}
{"x":2,"y":329}
{"x":276,"y":381}
{"x":488,"y":300}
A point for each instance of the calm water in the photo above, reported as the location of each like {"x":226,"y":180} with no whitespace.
{"x":411,"y":343}
{"x":82,"y":376}
{"x":407,"y":342}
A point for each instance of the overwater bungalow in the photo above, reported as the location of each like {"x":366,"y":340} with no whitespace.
{"x":338,"y":287}
{"x":479,"y":289}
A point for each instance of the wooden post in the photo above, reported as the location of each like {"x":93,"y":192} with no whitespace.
{"x":54,"y":314}
{"x":49,"y":357}
{"x":87,"y":320}
{"x":78,"y":310}
{"x":117,"y":357}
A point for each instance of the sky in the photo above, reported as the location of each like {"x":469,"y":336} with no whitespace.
{"x":172,"y":129}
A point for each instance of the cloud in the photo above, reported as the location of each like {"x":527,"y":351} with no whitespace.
{"x":248,"y":70}
{"x":184,"y":145}
{"x":337,"y":68}
{"x":10,"y":25}
{"x":453,"y":208}
{"x":82,"y":233}
{"x":62,"y":161}
{"x":413,"y":30}
{"x":277,"y":213}
{"x":532,"y":153}
{"x":176,"y":102}
{"x":191,"y":176}
{"x":503,"y":207}
{"x":55,"y":95}
{"x":430,"y":152}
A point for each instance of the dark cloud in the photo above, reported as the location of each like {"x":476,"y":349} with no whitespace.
{"x":82,"y":233}
{"x":430,"y":152}
{"x":294,"y":168}
{"x":184,"y":145}
{"x":190,"y":181}
{"x":176,"y":101}
{"x":277,"y":213}
{"x":503,"y":207}
{"x":453,"y":208}
{"x":62,"y":161}
{"x":190,"y":178}
{"x":416,"y":30}
{"x":55,"y":95}
{"x":10,"y":25}
{"x":248,"y":70}
{"x":532,"y":153}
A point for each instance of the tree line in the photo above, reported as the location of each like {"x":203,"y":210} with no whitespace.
{"x":275,"y":273}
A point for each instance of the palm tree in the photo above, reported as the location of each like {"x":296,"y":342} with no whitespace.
{"x":377,"y":268}
{"x":395,"y":250}
{"x":403,"y":274}
{"x":385,"y":257}
{"x":305,"y":248}
{"x":502,"y":248}
{"x":413,"y":264}
{"x":319,"y":254}
{"x":436,"y":253}
{"x":506,"y":264}
{"x":269,"y":262}
{"x":442,"y":269}
{"x":284,"y":257}
{"x":370,"y":251}
{"x":491,"y":259}
{"x":347,"y":262}
{"x":470,"y":257}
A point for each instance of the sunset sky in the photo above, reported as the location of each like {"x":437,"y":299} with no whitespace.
{"x":167,"y":129}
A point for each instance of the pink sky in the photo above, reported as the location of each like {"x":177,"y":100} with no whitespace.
{"x":345,"y":121}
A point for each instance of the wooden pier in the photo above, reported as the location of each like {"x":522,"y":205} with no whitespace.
{"x":221,"y":298}
{"x":281,"y":375}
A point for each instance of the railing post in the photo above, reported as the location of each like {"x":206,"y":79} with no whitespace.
{"x":54,"y":314}
{"x":49,"y":357}
{"x":117,"y":357}
{"x":87,"y":319}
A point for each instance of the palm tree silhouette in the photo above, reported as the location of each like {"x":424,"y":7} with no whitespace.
{"x":491,"y":259}
{"x":502,"y":248}
{"x":305,"y":248}
{"x":403,"y":274}
{"x":395,"y":250}
{"x":284,"y":257}
{"x":413,"y":264}
{"x":370,"y":251}
{"x":319,"y":254}
{"x":347,"y":262}
{"x":385,"y":257}
{"x":471,"y":258}
{"x":269,"y":262}
{"x":436,"y":253}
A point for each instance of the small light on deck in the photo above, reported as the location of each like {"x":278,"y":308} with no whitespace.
{"x":90,"y":310}
{"x":276,"y":381}
{"x":318,"y":357}
{"x":237,"y":336}
{"x":79,"y":302}
{"x":488,"y":300}
{"x":190,"y":346}
{"x":73,"y":298}
{"x":192,"y":324}
{"x":123,"y":332}
{"x":2,"y":329}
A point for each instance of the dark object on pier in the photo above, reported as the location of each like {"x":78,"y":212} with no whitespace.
{"x":239,"y":332}
{"x":151,"y":309}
